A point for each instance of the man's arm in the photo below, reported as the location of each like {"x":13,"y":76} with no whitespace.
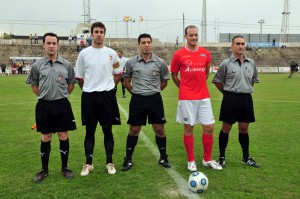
{"x":117,"y":71}
{"x":207,"y":70}
{"x":117,"y":78}
{"x":70,"y":88}
{"x":175,"y":79}
{"x":35,"y":89}
{"x":80,"y":82}
{"x":220,"y":87}
{"x":163,"y":84}
{"x":127,"y":84}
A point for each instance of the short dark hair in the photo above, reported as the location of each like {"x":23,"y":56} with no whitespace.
{"x":190,"y":26}
{"x":237,"y":36}
{"x":98,"y":24}
{"x":120,"y":51}
{"x":144,"y":35}
{"x":51,"y":34}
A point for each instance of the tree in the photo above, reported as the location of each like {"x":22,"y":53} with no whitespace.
{"x":6,"y":36}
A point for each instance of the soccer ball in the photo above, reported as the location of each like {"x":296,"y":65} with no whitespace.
{"x":198,"y":182}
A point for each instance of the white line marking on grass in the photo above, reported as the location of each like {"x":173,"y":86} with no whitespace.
{"x":22,"y":103}
{"x":181,"y":182}
{"x":276,"y":101}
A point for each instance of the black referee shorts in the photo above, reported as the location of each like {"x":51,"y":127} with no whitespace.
{"x":141,"y":107}
{"x":99,"y":107}
{"x":54,"y":116}
{"x":237,"y":107}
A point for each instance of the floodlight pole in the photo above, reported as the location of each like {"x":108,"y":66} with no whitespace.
{"x":86,"y":11}
{"x":285,"y":21}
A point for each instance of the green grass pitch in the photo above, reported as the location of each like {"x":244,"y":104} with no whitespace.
{"x":274,"y":144}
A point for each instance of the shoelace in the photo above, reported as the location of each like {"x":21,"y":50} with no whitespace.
{"x":251,"y":162}
{"x":111,"y":167}
{"x":193,"y":165}
{"x":86,"y":167}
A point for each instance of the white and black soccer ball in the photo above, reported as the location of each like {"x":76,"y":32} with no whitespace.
{"x":198,"y":182}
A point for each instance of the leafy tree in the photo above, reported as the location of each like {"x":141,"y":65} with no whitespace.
{"x":6,"y":36}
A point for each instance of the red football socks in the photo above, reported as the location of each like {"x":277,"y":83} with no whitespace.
{"x":189,"y":147}
{"x":207,"y":142}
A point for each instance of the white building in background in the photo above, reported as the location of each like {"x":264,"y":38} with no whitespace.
{"x":82,"y":32}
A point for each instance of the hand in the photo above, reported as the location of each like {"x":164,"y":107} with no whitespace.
{"x":115,"y":90}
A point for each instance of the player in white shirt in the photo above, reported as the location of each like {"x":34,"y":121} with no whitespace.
{"x":98,"y":71}
{"x":122,"y":64}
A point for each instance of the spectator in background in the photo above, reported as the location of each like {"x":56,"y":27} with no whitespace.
{"x":3,"y":68}
{"x":74,"y":38}
{"x":20,"y":67}
{"x":70,"y":39}
{"x":90,"y":40}
{"x":14,"y":68}
{"x":81,"y":44}
{"x":87,"y":41}
{"x":249,"y":47}
{"x":122,"y":65}
{"x":27,"y":68}
{"x":36,"y":38}
{"x":273,"y":43}
{"x":30,"y":39}
{"x":294,"y":68}
{"x":177,"y":40}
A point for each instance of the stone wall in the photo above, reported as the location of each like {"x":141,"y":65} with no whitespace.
{"x":276,"y":57}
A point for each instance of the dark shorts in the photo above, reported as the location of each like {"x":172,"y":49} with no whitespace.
{"x":141,"y":107}
{"x":237,"y":107}
{"x":54,"y":116}
{"x":294,"y":69}
{"x":99,"y":107}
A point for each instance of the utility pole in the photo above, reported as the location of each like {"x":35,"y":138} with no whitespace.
{"x":285,"y":21}
{"x":183,"y":27}
{"x":261,"y":25}
{"x":203,"y":23}
{"x":216,"y":28}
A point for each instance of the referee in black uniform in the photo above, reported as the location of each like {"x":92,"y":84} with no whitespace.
{"x":235,"y":79}
{"x":52,"y":80}
{"x":146,"y":75}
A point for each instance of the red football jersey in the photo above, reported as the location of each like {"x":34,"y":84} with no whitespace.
{"x":191,"y":64}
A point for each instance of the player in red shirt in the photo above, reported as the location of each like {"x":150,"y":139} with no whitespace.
{"x":194,"y":106}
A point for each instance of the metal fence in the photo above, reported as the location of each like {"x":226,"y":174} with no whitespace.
{"x":227,"y":37}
